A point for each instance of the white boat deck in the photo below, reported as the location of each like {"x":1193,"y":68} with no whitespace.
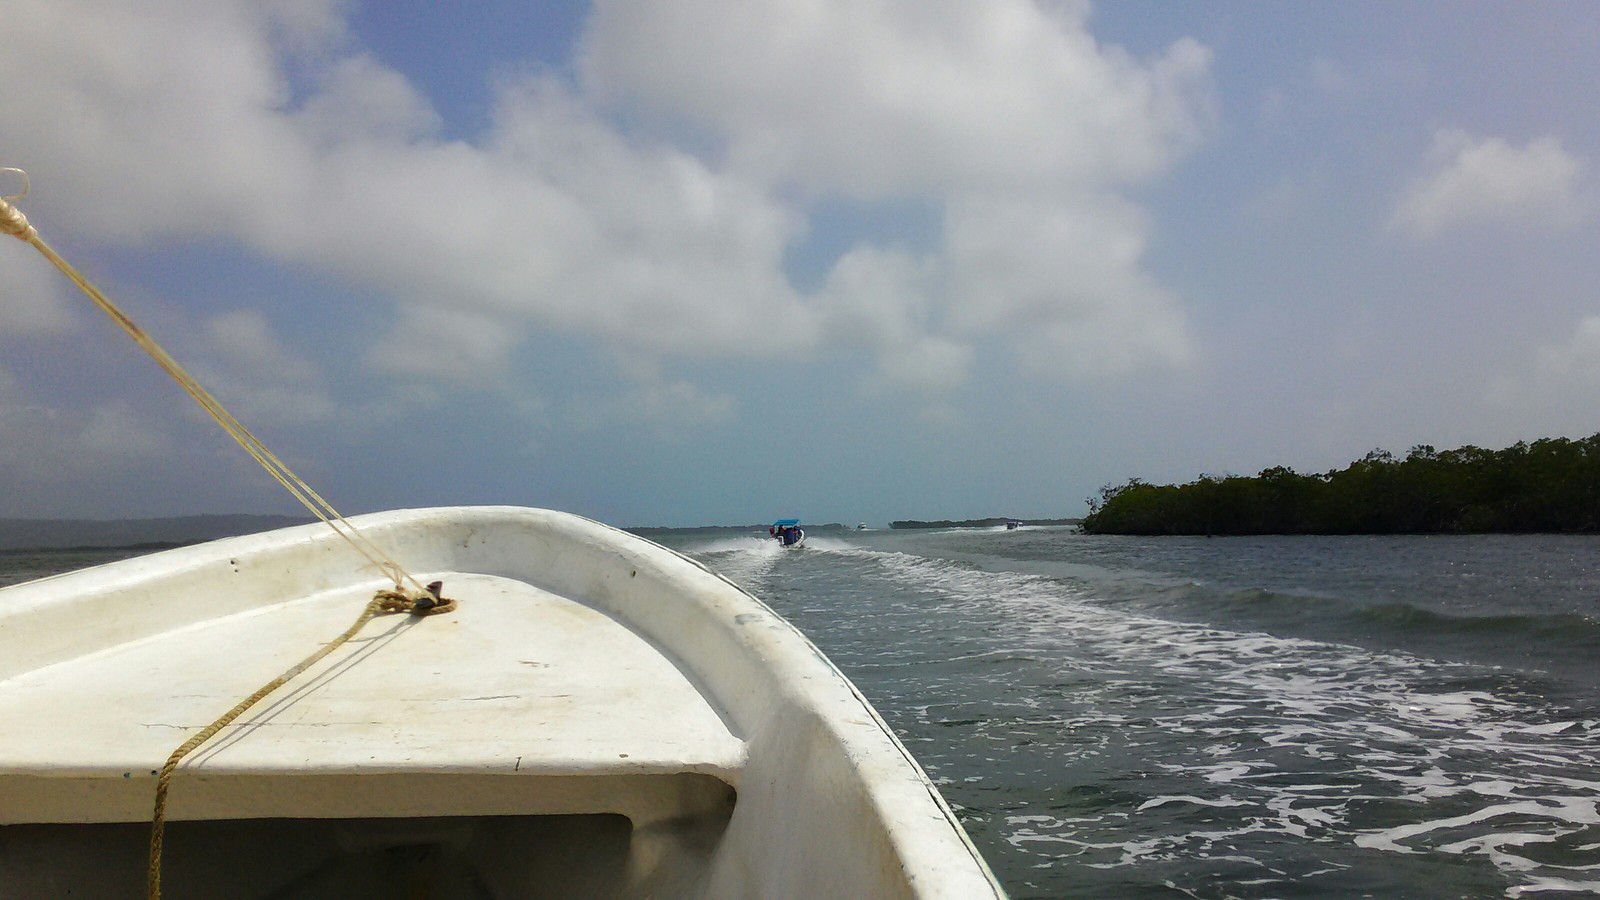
{"x":586,"y":696}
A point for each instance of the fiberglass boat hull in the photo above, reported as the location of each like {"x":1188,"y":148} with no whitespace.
{"x":599,"y":717}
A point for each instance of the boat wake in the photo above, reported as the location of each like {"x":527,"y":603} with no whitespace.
{"x":828,"y":544}
{"x":746,"y":560}
{"x":1153,"y":743}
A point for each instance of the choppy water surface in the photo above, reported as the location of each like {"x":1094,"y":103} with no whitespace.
{"x":1232,"y":717}
{"x":1275,"y":717}
{"x":17,"y":566}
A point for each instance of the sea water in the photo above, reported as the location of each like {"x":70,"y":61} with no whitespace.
{"x":1227,"y":717}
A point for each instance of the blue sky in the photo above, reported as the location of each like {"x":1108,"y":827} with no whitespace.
{"x":697,"y":262}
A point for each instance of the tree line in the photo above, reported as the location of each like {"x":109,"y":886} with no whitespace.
{"x":1550,"y":485}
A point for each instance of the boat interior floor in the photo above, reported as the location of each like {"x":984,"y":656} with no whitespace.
{"x":402,"y":758}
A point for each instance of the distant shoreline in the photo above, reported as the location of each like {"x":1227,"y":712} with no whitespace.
{"x":976,"y":523}
{"x":140,"y":547}
{"x":19,"y":536}
{"x":24,"y":535}
{"x":648,"y":530}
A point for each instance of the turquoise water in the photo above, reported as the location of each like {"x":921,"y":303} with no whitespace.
{"x":1229,"y":717}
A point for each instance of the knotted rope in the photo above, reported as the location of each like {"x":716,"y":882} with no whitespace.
{"x":421,"y":601}
{"x":429,"y":603}
{"x":14,"y":223}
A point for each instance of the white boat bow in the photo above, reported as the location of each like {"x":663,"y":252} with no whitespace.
{"x":599,"y":717}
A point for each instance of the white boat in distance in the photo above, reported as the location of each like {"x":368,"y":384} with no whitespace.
{"x":598,"y":717}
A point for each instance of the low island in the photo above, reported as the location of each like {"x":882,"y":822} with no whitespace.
{"x":976,"y":523}
{"x":1550,"y":485}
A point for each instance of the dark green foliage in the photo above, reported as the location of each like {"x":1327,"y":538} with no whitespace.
{"x":1549,"y":485}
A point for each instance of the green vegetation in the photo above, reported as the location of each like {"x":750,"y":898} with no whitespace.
{"x":1548,"y":485}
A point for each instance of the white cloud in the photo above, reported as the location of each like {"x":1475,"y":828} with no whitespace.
{"x":1055,"y":284}
{"x":153,"y":120}
{"x":139,"y":120}
{"x":887,"y":96}
{"x":358,"y":95}
{"x":1062,"y":280}
{"x":143,"y":122}
{"x":886,"y":300}
{"x":1576,"y":360}
{"x":672,"y":407}
{"x":1477,"y":180}
{"x":1555,"y":393}
{"x":1008,"y":114}
{"x":33,"y":295}
{"x":435,"y":342}
{"x":259,"y":380}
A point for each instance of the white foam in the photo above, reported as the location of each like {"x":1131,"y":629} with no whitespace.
{"x":1299,"y":739}
{"x":827,"y":544}
{"x":1189,"y":798}
{"x":1543,"y":884}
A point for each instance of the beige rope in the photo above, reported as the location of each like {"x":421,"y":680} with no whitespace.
{"x":14,"y":223}
{"x":421,"y":601}
{"x":427,"y":604}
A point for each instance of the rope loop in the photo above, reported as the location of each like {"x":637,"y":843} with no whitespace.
{"x":12,"y":221}
{"x":20,"y":174}
{"x":427,"y":602}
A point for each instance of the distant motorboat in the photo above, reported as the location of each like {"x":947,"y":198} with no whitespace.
{"x":1013,"y":524}
{"x":788,"y":533}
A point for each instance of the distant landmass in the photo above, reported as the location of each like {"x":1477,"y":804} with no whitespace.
{"x":156,"y":533}
{"x":648,"y":530}
{"x":1550,"y":485}
{"x":977,"y":523}
{"x":62,"y":534}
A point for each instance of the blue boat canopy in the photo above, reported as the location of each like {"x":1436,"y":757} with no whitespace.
{"x":786,"y":523}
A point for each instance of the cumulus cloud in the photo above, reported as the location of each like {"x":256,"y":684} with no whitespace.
{"x":1008,"y":115}
{"x":1054,"y":281}
{"x":1478,"y":180}
{"x":895,"y":95}
{"x":888,"y":300}
{"x":139,"y":121}
{"x":1061,"y":279}
{"x":1557,"y":387}
{"x":162,"y":119}
{"x":169,"y":119}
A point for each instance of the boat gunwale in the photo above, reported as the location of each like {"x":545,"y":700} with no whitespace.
{"x":755,"y":655}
